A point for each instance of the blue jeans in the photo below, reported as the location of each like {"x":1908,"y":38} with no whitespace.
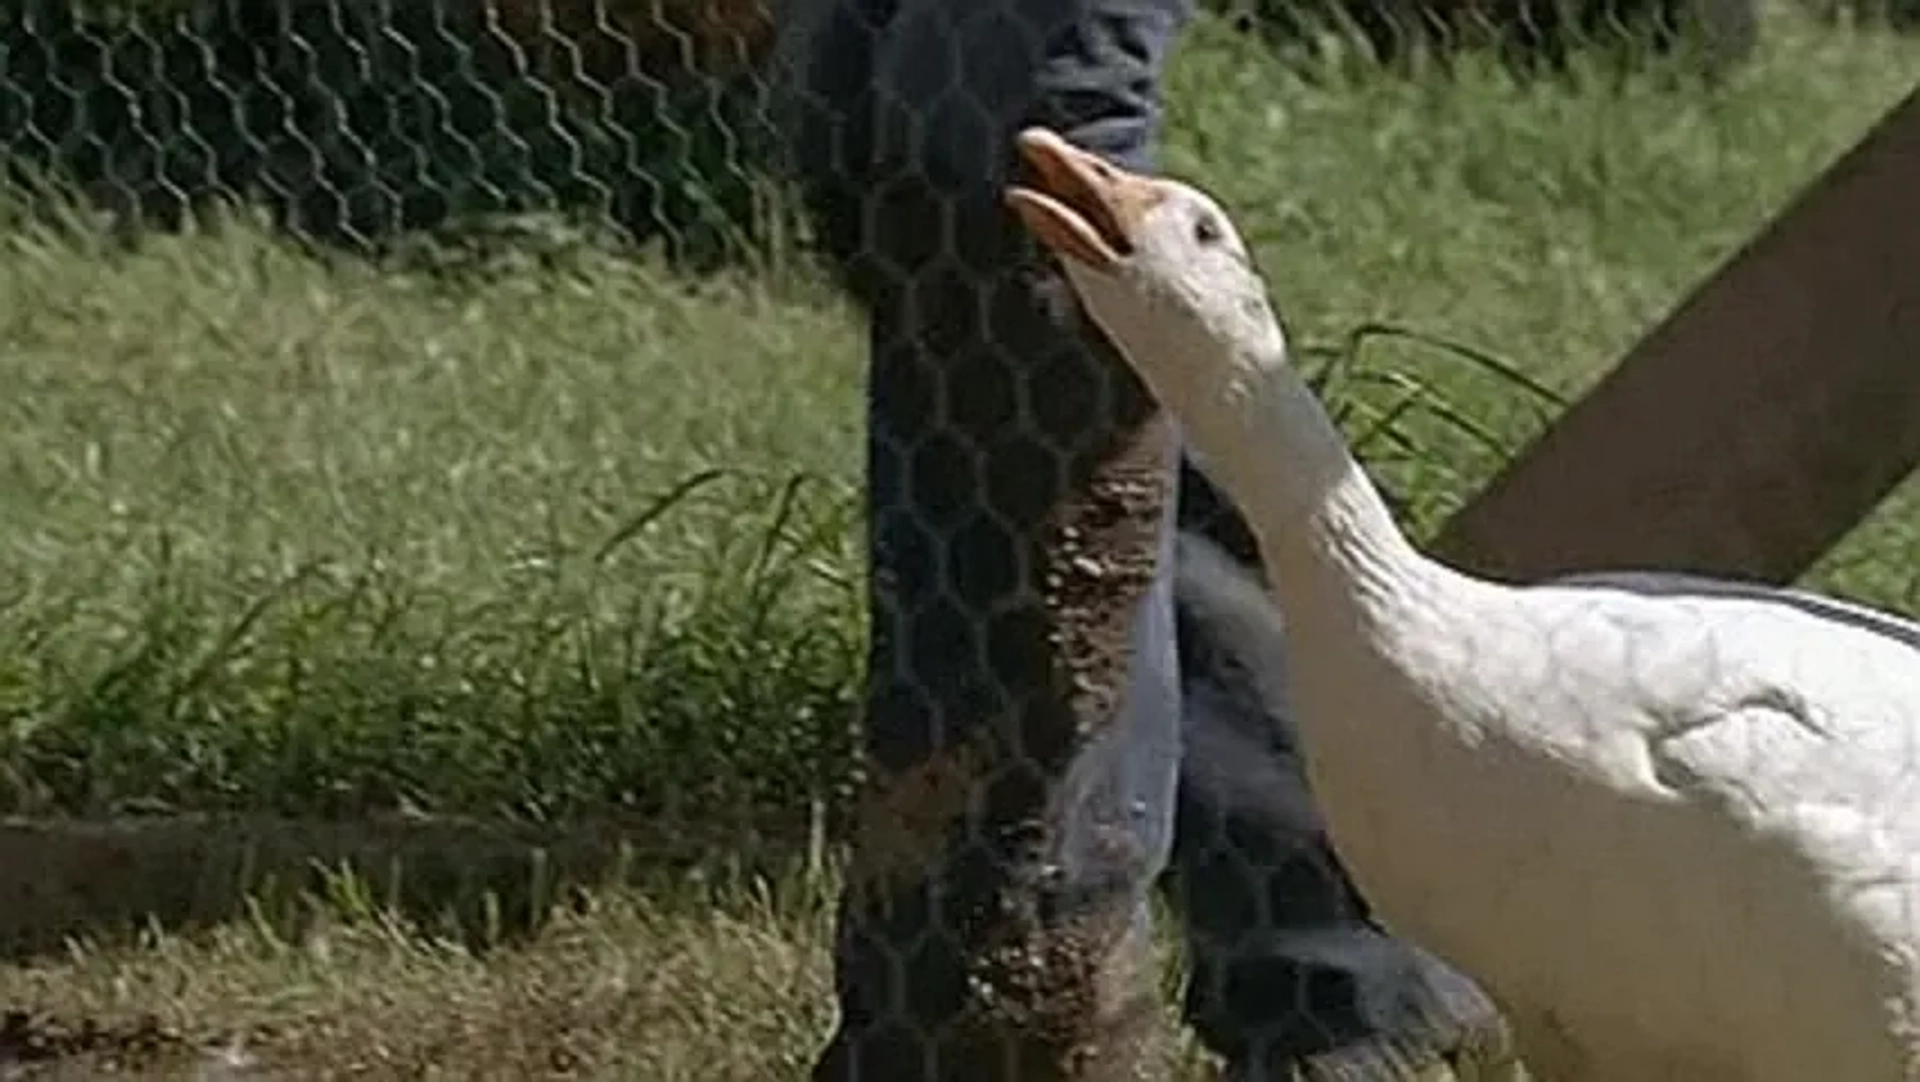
{"x":1023,"y":499}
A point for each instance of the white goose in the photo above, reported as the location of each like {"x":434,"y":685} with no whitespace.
{"x":1672,"y":824}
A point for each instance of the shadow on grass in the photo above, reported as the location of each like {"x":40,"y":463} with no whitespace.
{"x":482,"y":882}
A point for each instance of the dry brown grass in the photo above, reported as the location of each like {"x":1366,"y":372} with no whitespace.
{"x":401,"y":949}
{"x":696,"y":981}
{"x":629,"y":988}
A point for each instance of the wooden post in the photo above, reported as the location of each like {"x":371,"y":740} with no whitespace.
{"x":1758,"y":423}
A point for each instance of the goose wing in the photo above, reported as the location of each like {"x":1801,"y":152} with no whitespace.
{"x":1796,"y":713}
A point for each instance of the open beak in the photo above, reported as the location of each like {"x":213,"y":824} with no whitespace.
{"x":1079,"y":205}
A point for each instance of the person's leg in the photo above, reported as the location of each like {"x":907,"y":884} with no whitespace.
{"x":1288,"y":971}
{"x":1019,"y":494}
{"x":1308,"y":976}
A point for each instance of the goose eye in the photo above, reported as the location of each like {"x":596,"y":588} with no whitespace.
{"x":1206,"y":230}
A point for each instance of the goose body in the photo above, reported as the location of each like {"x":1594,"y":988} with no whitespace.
{"x":1689,"y":882}
{"x":1672,"y":824}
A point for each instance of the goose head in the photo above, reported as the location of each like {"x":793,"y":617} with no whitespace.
{"x":1160,"y":268}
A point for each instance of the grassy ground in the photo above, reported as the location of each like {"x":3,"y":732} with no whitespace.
{"x":289,"y":537}
{"x":688,"y":985}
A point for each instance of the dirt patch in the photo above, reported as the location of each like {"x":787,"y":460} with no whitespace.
{"x":107,"y":879}
{"x":1077,"y":988}
{"x":1102,"y":560}
{"x":40,"y":1046}
{"x":1077,"y":994}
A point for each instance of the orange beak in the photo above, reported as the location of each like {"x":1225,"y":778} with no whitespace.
{"x":1079,"y":205}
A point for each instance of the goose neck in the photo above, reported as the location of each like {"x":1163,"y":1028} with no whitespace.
{"x":1326,"y":534}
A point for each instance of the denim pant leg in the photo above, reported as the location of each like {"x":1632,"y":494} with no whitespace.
{"x":1288,"y":970}
{"x":1020,"y":487}
{"x":1278,"y":981}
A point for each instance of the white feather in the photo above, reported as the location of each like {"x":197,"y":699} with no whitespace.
{"x":1672,"y":824}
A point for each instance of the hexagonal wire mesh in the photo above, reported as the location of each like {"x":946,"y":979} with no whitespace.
{"x":358,"y":122}
{"x":1027,"y":787}
{"x":1023,"y":780}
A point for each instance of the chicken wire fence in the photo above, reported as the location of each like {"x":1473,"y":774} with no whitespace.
{"x":1015,"y":483}
{"x":358,"y":122}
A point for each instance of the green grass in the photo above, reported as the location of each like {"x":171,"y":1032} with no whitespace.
{"x":284,"y":535}
{"x":302,"y":538}
{"x":574,"y":534}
